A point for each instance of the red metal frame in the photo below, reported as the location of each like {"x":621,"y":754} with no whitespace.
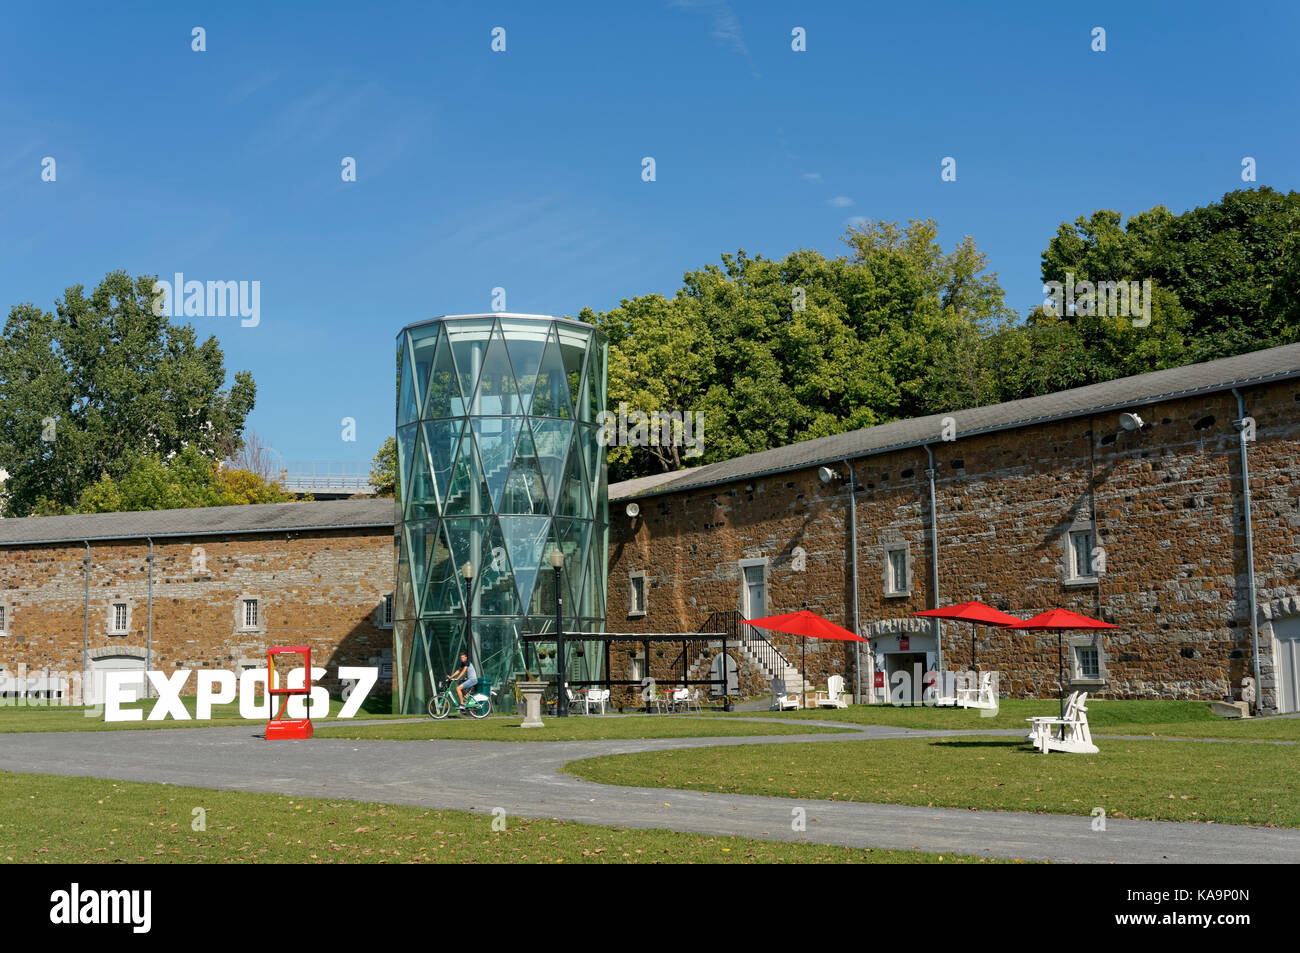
{"x":288,"y":728}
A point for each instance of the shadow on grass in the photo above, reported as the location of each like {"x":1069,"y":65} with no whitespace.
{"x":1009,"y":743}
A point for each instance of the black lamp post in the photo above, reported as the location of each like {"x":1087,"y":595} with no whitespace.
{"x":561,"y":694}
{"x":467,"y":571}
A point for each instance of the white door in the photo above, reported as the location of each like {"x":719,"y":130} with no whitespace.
{"x":1286,"y":635}
{"x":723,"y":663}
{"x":113,"y":663}
{"x":754,"y":591}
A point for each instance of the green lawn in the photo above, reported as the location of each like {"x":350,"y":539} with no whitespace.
{"x":68,"y":820}
{"x":580,"y":728}
{"x":1155,"y":780}
{"x":69,"y":718}
{"x":1171,"y":719}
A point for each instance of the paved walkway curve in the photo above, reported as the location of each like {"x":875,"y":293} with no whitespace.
{"x":524,"y":779}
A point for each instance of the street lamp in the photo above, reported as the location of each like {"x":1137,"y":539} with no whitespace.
{"x":561,"y":695}
{"x":467,"y":571}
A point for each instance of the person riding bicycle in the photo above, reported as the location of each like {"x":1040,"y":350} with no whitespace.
{"x":469,"y":678}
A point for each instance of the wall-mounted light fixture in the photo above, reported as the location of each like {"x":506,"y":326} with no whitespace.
{"x":1131,"y":422}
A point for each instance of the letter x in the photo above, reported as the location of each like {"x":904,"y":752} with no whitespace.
{"x":169,"y":695}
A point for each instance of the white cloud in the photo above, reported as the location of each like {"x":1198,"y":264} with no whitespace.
{"x":840,"y":201}
{"x":811,"y":176}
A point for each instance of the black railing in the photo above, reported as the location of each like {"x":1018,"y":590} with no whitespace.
{"x":737,"y":630}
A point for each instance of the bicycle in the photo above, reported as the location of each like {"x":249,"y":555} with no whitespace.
{"x":478,"y":702}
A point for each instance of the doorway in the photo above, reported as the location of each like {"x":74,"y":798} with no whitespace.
{"x":1286,"y":659}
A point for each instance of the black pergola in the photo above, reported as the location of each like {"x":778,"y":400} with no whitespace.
{"x":645,"y":638}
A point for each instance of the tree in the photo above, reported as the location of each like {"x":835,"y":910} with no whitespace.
{"x":257,"y":457}
{"x":383,"y":469}
{"x":779,"y":351}
{"x":188,"y":479}
{"x":1222,"y":278}
{"x":101,"y":382}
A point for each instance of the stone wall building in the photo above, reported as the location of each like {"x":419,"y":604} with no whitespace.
{"x":227,"y":583}
{"x":1058,"y":500}
{"x":1039,"y":503}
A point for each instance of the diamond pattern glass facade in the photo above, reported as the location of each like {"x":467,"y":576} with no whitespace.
{"x":499,"y":464}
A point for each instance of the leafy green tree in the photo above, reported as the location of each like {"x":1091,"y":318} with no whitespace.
{"x":1224,"y":280}
{"x":101,"y":382}
{"x":383,"y":469}
{"x":188,"y":479}
{"x":779,"y":351}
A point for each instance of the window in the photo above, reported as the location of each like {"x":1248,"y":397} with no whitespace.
{"x":753,"y":588}
{"x":1079,"y":563}
{"x":897,"y":582}
{"x":117,"y":624}
{"x":388,"y":609}
{"x":250,"y":613}
{"x":1088,"y":662}
{"x":636,"y":594}
{"x":2,"y":620}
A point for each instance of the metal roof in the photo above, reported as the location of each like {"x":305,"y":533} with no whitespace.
{"x":1257,"y":367}
{"x":200,"y":521}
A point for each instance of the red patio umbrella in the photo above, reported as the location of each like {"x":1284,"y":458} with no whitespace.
{"x":1061,"y":620}
{"x":972,"y":612}
{"x":806,"y":624}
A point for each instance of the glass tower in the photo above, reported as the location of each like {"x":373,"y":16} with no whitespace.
{"x":499,"y":464}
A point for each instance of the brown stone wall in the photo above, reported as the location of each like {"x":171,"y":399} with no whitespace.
{"x":1168,"y":513}
{"x":324,"y":590}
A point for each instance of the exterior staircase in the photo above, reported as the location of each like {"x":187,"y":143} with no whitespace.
{"x":757,"y":652}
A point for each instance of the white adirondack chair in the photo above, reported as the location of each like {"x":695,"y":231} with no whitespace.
{"x":833,"y":697}
{"x":1076,"y":737}
{"x":982,"y":696}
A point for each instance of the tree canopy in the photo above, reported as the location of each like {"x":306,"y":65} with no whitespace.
{"x":188,"y":479}
{"x":780,"y":351}
{"x":102,"y":382}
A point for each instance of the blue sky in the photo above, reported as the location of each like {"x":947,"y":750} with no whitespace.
{"x":522,"y":169}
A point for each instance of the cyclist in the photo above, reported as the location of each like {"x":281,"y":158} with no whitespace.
{"x":469,"y":678}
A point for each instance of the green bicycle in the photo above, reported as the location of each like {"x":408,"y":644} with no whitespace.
{"x":478,"y":703}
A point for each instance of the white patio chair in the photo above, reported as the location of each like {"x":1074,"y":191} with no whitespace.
{"x":576,"y":703}
{"x":1075,"y":737}
{"x":597,"y":698}
{"x":833,"y":697}
{"x":1032,"y":736}
{"x":982,"y":695}
{"x":679,"y":699}
{"x":655,"y":699}
{"x":697,"y":701}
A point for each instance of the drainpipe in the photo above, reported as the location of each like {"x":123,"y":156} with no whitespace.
{"x":934,"y":560}
{"x":85,"y":625}
{"x":853,"y":564}
{"x":148,"y":639}
{"x":1240,"y":425}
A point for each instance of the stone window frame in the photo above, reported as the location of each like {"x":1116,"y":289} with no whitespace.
{"x":6,"y":618}
{"x":1069,"y":568}
{"x":386,"y":611}
{"x":259,"y":628}
{"x":766,"y":565}
{"x":886,"y":578}
{"x":110,"y":626}
{"x":1086,"y":640}
{"x":633,"y":612}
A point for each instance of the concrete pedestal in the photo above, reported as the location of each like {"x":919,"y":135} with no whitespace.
{"x":532,"y":692}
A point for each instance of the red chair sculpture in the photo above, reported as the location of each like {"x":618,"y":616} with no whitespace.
{"x":288,"y":728}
